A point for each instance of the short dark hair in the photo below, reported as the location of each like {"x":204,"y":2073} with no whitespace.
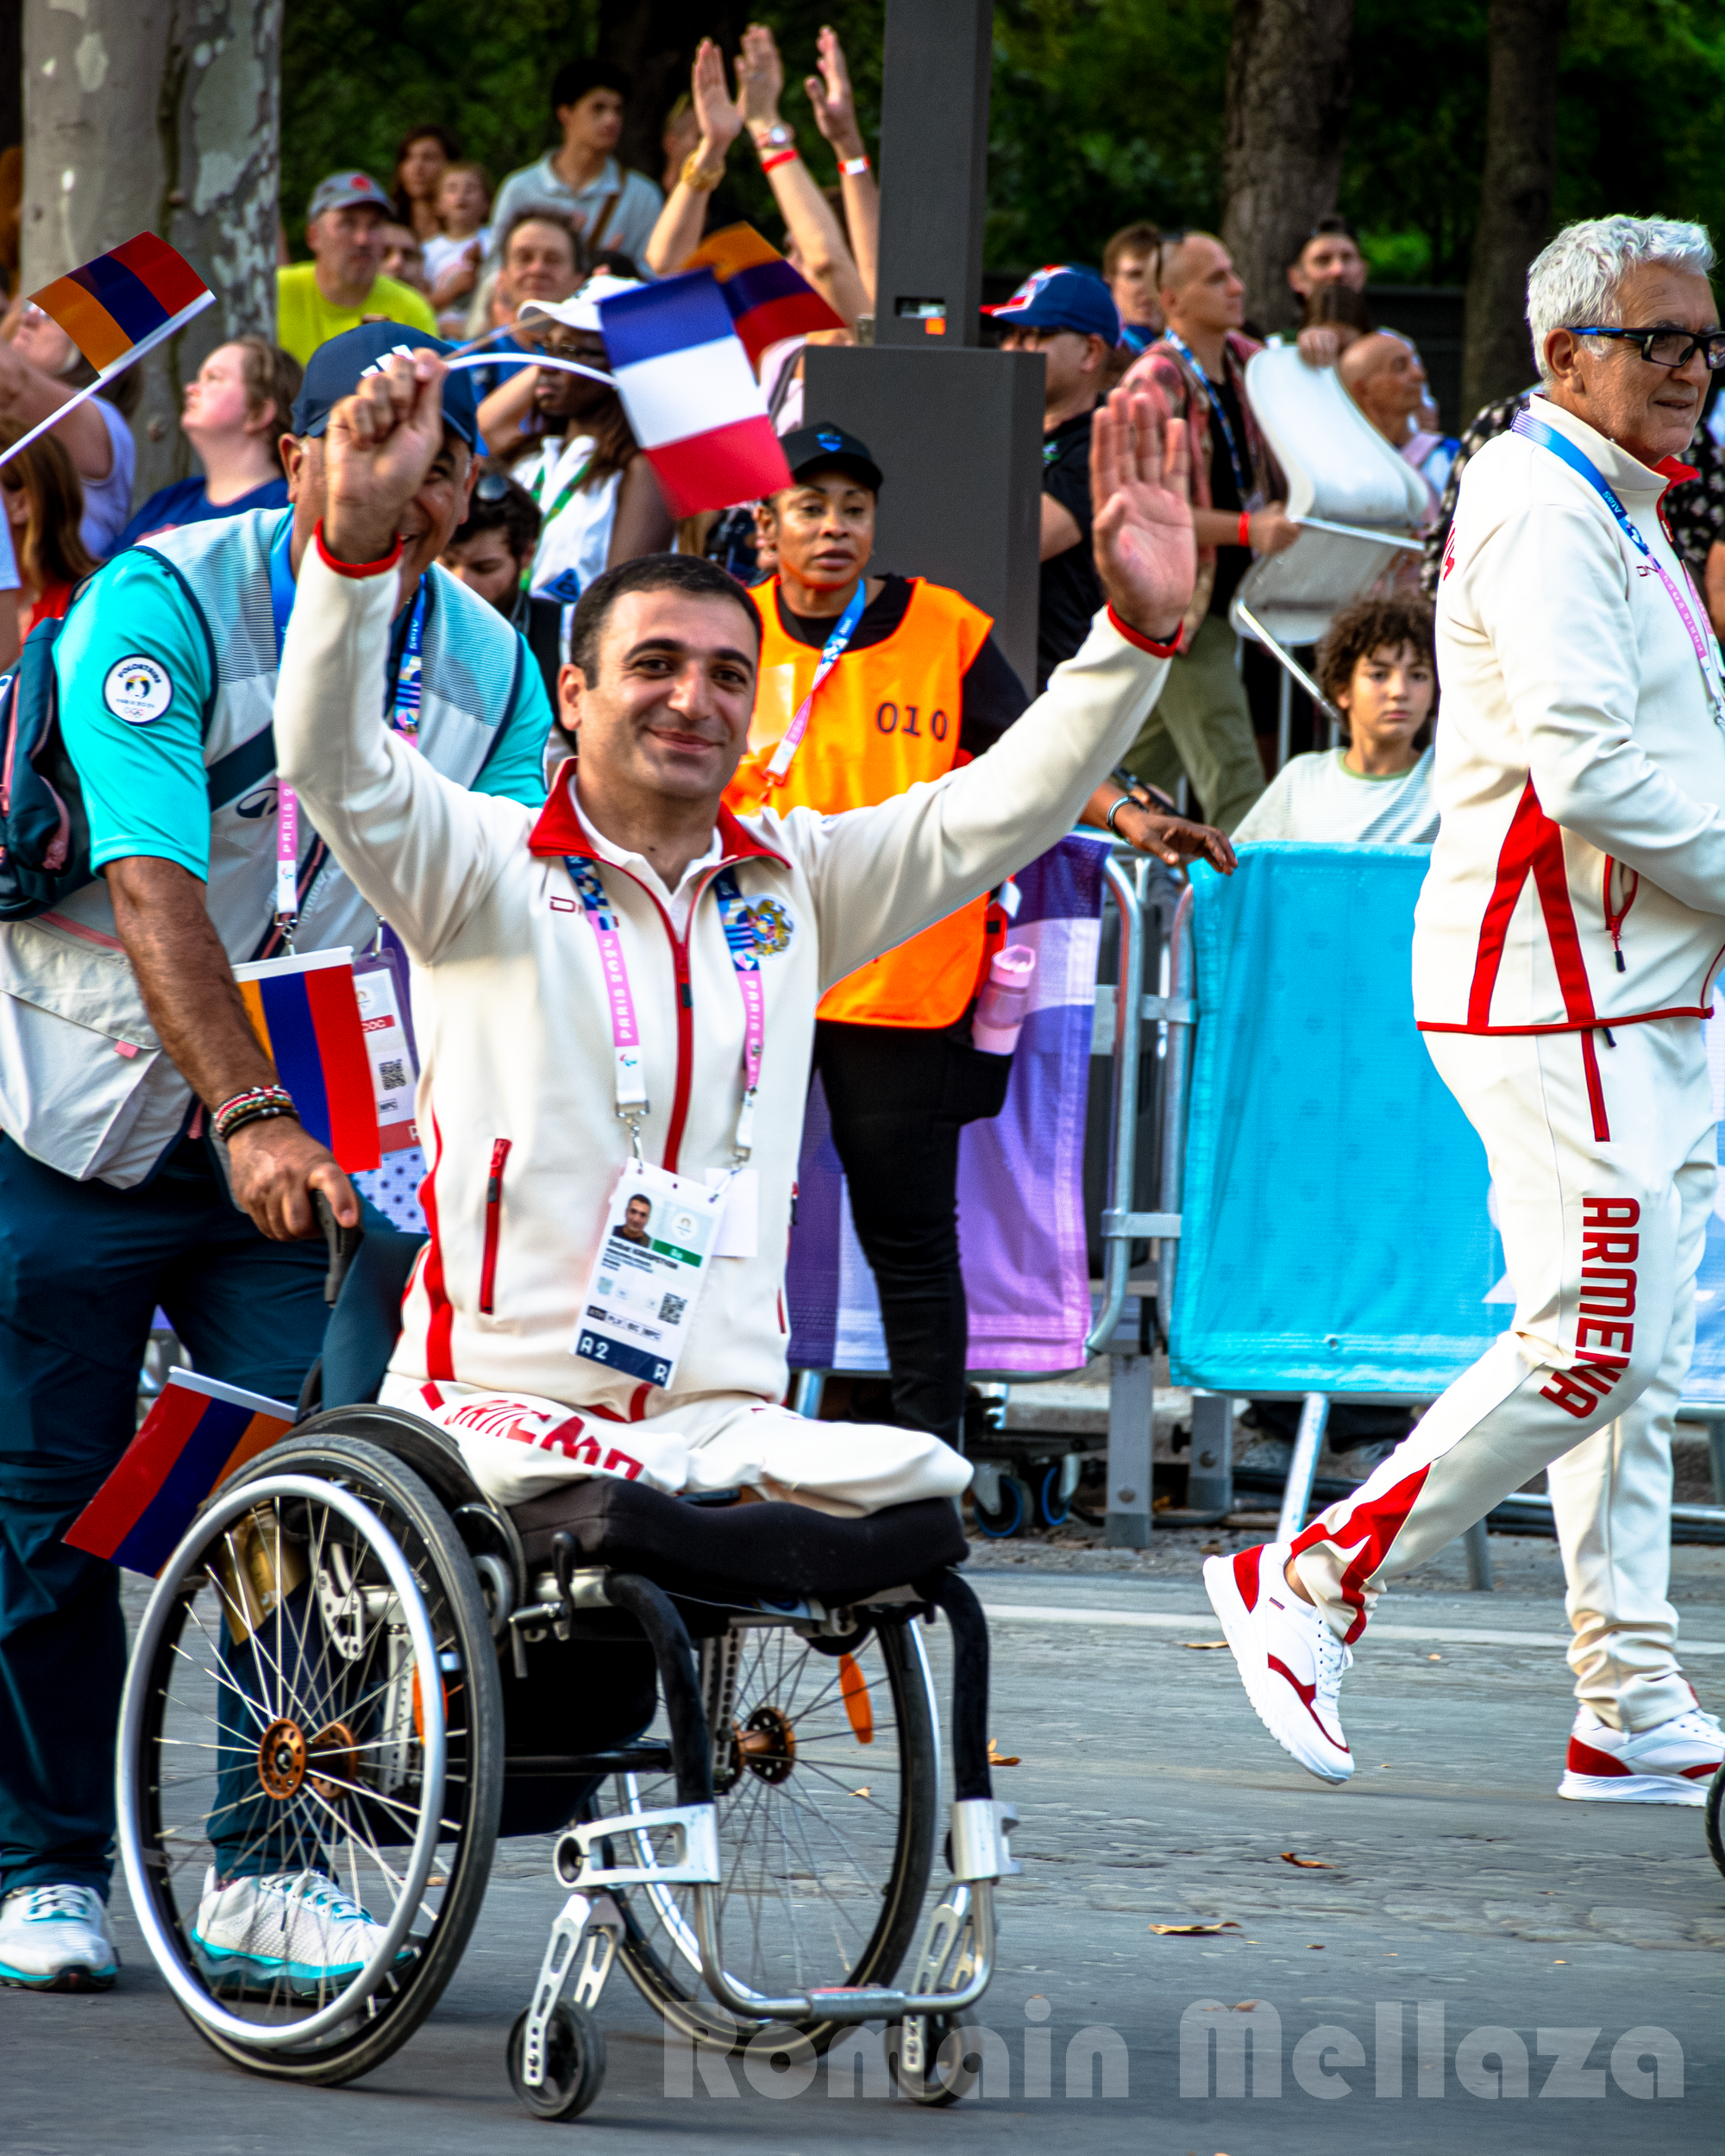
{"x":1330,"y":228}
{"x":500,"y":504}
{"x":541,"y":213}
{"x":575,"y":77}
{"x":649,"y":573}
{"x":1370,"y":626}
{"x":1142,"y":238}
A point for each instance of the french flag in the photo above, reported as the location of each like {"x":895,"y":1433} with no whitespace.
{"x":691,"y":394}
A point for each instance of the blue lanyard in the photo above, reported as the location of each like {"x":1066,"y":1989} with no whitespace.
{"x":1216,"y":405}
{"x":404,"y":699}
{"x":831,"y":653}
{"x":1567,"y":452}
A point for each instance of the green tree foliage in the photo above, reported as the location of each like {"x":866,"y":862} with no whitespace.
{"x":1103,"y":111}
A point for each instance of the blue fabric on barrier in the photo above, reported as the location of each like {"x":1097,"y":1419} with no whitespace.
{"x":1336,"y":1236}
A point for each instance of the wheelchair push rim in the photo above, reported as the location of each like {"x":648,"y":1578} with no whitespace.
{"x":827,"y":1835}
{"x":355,"y":1757}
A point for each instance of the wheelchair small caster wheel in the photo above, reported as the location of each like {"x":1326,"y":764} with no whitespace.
{"x":1013,"y":1508}
{"x":949,"y":2064}
{"x":575,"y":2063}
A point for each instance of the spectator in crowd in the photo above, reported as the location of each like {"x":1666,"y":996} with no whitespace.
{"x":581,"y":177}
{"x":422,"y":158}
{"x":1384,"y":375}
{"x":44,"y":504}
{"x":1329,"y":254}
{"x":404,"y":259}
{"x":1129,"y":269}
{"x":1202,"y":722}
{"x":344,"y":281}
{"x":1066,"y":314}
{"x":1331,"y":317}
{"x":893,"y":1041}
{"x":492,"y":553}
{"x":237,"y":409}
{"x":40,"y":369}
{"x":1377,"y":666}
{"x":108,"y":1204}
{"x":596,"y":492}
{"x":541,"y":259}
{"x":454,"y":253}
{"x":681,"y":139}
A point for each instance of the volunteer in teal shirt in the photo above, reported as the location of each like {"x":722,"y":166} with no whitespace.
{"x":109,"y":1207}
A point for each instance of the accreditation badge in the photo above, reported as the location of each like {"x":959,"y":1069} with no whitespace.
{"x":660,"y":1232}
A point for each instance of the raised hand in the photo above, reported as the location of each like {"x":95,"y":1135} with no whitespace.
{"x":381,"y":443}
{"x":760,"y":77}
{"x":1142,"y":517}
{"x":718,"y":118}
{"x":829,"y":93}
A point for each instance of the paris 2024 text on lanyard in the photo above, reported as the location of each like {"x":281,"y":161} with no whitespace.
{"x":662,"y":1230}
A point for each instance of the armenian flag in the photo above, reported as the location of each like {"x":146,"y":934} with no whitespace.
{"x":115,"y":307}
{"x":767,"y":298}
{"x":305,"y":1011}
{"x":690,"y":393}
{"x":198,"y":1433}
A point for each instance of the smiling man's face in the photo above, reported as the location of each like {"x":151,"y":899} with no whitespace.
{"x":667,"y":714}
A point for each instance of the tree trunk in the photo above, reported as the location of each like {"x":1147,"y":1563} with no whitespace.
{"x":655,"y":42}
{"x":158,"y":115}
{"x":1290,"y":78}
{"x":1515,"y":196}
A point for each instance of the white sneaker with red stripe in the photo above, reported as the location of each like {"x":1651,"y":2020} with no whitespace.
{"x":1290,"y":1662}
{"x":1670,"y":1764}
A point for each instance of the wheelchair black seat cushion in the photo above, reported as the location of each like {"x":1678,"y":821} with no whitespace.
{"x":767,"y":1549}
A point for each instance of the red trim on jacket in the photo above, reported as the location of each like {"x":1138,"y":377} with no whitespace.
{"x":560,"y":830}
{"x":441,"y":1323}
{"x":1532,"y":845}
{"x":1595,"y":1091}
{"x":353,"y":568}
{"x":1143,"y":642}
{"x":1565,"y":1026}
{"x":493,"y":1226}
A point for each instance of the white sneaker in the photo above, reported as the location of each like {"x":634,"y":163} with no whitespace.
{"x":57,"y":1938}
{"x":1290,"y":1662}
{"x":295,"y":1928}
{"x":1670,"y":1764}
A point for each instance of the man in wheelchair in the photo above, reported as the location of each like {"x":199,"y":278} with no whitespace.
{"x":615,"y":1004}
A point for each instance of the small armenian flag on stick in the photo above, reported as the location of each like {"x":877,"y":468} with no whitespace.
{"x":115,"y":309}
{"x":306,"y":1014}
{"x":767,"y":297}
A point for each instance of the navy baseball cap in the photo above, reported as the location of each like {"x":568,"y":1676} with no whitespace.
{"x":1062,"y":296}
{"x":336,"y":369}
{"x":828,"y":448}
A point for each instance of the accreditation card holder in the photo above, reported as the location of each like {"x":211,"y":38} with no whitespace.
{"x":387,"y":1021}
{"x":660,"y":1232}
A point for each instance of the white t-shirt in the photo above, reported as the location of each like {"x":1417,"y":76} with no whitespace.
{"x":108,"y":502}
{"x":442,"y":253}
{"x":1317,"y":799}
{"x":577,"y":535}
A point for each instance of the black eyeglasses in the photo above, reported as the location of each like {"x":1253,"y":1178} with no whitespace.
{"x":1674,"y":348}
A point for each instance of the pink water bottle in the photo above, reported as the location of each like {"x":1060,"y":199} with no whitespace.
{"x":1004,"y":1001}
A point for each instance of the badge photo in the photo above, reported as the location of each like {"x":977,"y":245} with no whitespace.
{"x":137,"y":690}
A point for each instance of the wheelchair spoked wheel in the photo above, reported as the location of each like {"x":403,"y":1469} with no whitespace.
{"x":1715,"y":1822}
{"x":828,"y":1792}
{"x":315,"y":1686}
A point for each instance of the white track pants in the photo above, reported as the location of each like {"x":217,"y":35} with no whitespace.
{"x":1603,"y":1158}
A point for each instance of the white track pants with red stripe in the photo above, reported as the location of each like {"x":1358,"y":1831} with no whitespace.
{"x":1602,"y":1157}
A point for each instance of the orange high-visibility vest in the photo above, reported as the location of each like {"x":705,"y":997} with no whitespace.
{"x":886,"y":718}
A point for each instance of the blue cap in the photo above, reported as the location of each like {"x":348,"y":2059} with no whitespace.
{"x":1062,"y":296}
{"x":336,"y":369}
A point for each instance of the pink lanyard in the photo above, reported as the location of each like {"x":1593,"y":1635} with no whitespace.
{"x":632,"y":1106}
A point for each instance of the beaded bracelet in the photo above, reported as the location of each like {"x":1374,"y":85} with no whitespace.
{"x":250,"y":1106}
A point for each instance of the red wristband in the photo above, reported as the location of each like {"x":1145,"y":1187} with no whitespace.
{"x":354,"y":568}
{"x":853,"y":167}
{"x":1245,"y":539}
{"x":771,"y":164}
{"x":1143,"y":643}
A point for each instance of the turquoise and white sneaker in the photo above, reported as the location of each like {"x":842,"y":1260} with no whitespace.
{"x":57,"y":1938}
{"x":294,"y":1930}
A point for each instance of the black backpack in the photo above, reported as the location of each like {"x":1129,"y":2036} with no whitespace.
{"x":44,"y":833}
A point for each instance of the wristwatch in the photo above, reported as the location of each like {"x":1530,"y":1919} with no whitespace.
{"x":1125,"y":801}
{"x":776,"y":137}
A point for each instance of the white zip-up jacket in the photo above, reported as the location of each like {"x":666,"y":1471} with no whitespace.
{"x":516,"y":1090}
{"x":1579,"y":875}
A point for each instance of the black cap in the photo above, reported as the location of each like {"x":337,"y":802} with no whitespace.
{"x":819,"y":448}
{"x":335,"y":370}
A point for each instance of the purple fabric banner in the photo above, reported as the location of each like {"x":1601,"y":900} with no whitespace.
{"x":1020,"y":1177}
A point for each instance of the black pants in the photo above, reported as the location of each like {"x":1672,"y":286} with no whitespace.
{"x":899,"y":1096}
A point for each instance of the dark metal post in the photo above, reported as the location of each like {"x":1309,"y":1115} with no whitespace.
{"x":934,"y":157}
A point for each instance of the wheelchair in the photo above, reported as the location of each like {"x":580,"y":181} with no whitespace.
{"x":356,"y":1664}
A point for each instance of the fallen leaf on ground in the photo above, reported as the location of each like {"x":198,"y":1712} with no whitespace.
{"x":1244,"y":2006}
{"x":1306,"y":1863}
{"x":1314,"y":1950}
{"x":1202,"y":1644}
{"x":863,"y":1791}
{"x":997,"y":1759}
{"x":1434,"y":1657}
{"x":1194,"y":1931}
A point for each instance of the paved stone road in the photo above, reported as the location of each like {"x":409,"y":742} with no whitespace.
{"x":1458,"y":1896}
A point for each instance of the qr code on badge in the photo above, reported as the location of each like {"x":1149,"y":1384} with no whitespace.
{"x":672,"y":1309}
{"x":392,"y":1076}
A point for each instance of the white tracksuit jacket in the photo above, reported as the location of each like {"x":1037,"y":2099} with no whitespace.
{"x":515,"y":1099}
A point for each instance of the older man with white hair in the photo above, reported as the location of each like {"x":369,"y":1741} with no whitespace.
{"x":1567,"y":942}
